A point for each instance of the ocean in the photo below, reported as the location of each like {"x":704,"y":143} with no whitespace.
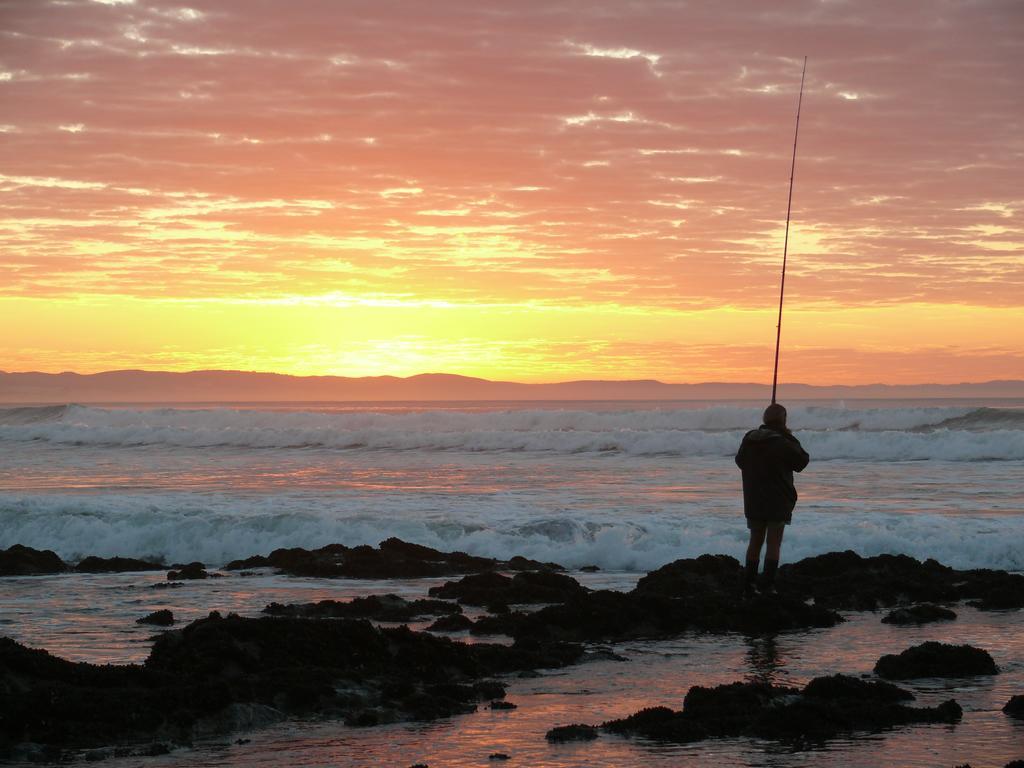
{"x":625,"y":486}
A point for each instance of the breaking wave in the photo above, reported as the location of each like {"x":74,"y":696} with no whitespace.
{"x":943,"y":433}
{"x":889,"y":434}
{"x":182,"y":528}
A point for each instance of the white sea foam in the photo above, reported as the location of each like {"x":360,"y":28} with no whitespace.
{"x":950,"y":434}
{"x":215,"y":529}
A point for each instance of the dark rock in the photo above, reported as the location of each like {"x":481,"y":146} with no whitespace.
{"x":498,"y":756}
{"x":393,"y":559}
{"x":825,"y":708}
{"x":217,"y":672}
{"x":18,"y":560}
{"x":1015,"y":764}
{"x":502,"y":705}
{"x":919,"y":614}
{"x":502,"y":624}
{"x":684,"y":578}
{"x":190,"y":571}
{"x":933,"y":659}
{"x":162,"y":618}
{"x":847,"y":687}
{"x":376,"y":607}
{"x":454,"y":622}
{"x":1015,"y":707}
{"x":574,"y":732}
{"x":93,"y":564}
{"x":994,"y":590}
{"x":166,"y":585}
{"x":589,"y":569}
{"x":609,"y":616}
{"x":847,"y":581}
{"x":526,"y":587}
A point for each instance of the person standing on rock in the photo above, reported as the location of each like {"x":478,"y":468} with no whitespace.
{"x":768,"y":457}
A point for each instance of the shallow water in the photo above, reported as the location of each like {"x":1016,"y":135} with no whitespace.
{"x":91,"y":617}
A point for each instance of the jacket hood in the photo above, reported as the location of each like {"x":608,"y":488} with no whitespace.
{"x":762,"y":433}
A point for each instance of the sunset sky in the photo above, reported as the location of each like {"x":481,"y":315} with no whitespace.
{"x":512,"y":189}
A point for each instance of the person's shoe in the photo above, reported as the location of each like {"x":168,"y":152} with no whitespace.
{"x":748,"y":581}
{"x":767,"y":585}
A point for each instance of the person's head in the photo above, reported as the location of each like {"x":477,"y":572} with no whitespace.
{"x":775,"y":416}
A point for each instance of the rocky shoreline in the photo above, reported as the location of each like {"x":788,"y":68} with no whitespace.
{"x":329,"y":659}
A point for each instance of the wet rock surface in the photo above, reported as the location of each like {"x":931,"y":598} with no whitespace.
{"x":18,"y":560}
{"x":919,"y":614}
{"x":934,"y":659}
{"x":162,"y":618}
{"x":454,"y":622}
{"x":826,"y":707}
{"x":574,"y":732}
{"x":847,"y":581}
{"x":392,"y":559}
{"x":526,"y":587}
{"x":94,"y":564}
{"x":217,"y":674}
{"x":1015,"y":707}
{"x":376,"y":607}
{"x":187,"y":572}
{"x":608,"y":616}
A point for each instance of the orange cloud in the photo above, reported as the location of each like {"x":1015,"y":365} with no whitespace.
{"x":628,"y":164}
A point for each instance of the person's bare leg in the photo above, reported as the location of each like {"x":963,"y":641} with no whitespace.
{"x":753,"y":558}
{"x":754,"y":547}
{"x":774,"y":543}
{"x":771,"y":556}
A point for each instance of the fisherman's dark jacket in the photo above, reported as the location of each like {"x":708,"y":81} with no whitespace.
{"x":768,"y":458}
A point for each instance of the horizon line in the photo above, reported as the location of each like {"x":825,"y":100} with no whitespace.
{"x":507,"y":381}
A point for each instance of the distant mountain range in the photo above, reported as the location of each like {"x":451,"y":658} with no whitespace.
{"x":245,"y":386}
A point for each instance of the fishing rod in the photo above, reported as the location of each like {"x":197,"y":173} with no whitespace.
{"x":785,"y":243}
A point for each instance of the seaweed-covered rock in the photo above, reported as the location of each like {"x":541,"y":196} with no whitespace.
{"x":525,"y":587}
{"x":161,"y":618}
{"x":187,"y":572}
{"x":376,"y":607}
{"x":1015,"y":707}
{"x":94,"y":564}
{"x":847,"y":581}
{"x":574,"y":732}
{"x":825,"y":708}
{"x":19,"y":560}
{"x":995,"y":590}
{"x":934,"y":659}
{"x":688,"y":577}
{"x":454,"y":622}
{"x":919,"y":614}
{"x":847,"y":687}
{"x":392,"y":559}
{"x":609,"y":616}
{"x":217,"y":673}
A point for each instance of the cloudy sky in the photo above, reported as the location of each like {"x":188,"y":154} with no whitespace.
{"x":523,"y":190}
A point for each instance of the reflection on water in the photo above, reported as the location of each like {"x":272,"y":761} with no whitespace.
{"x":766,"y":664}
{"x":91,"y":617}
